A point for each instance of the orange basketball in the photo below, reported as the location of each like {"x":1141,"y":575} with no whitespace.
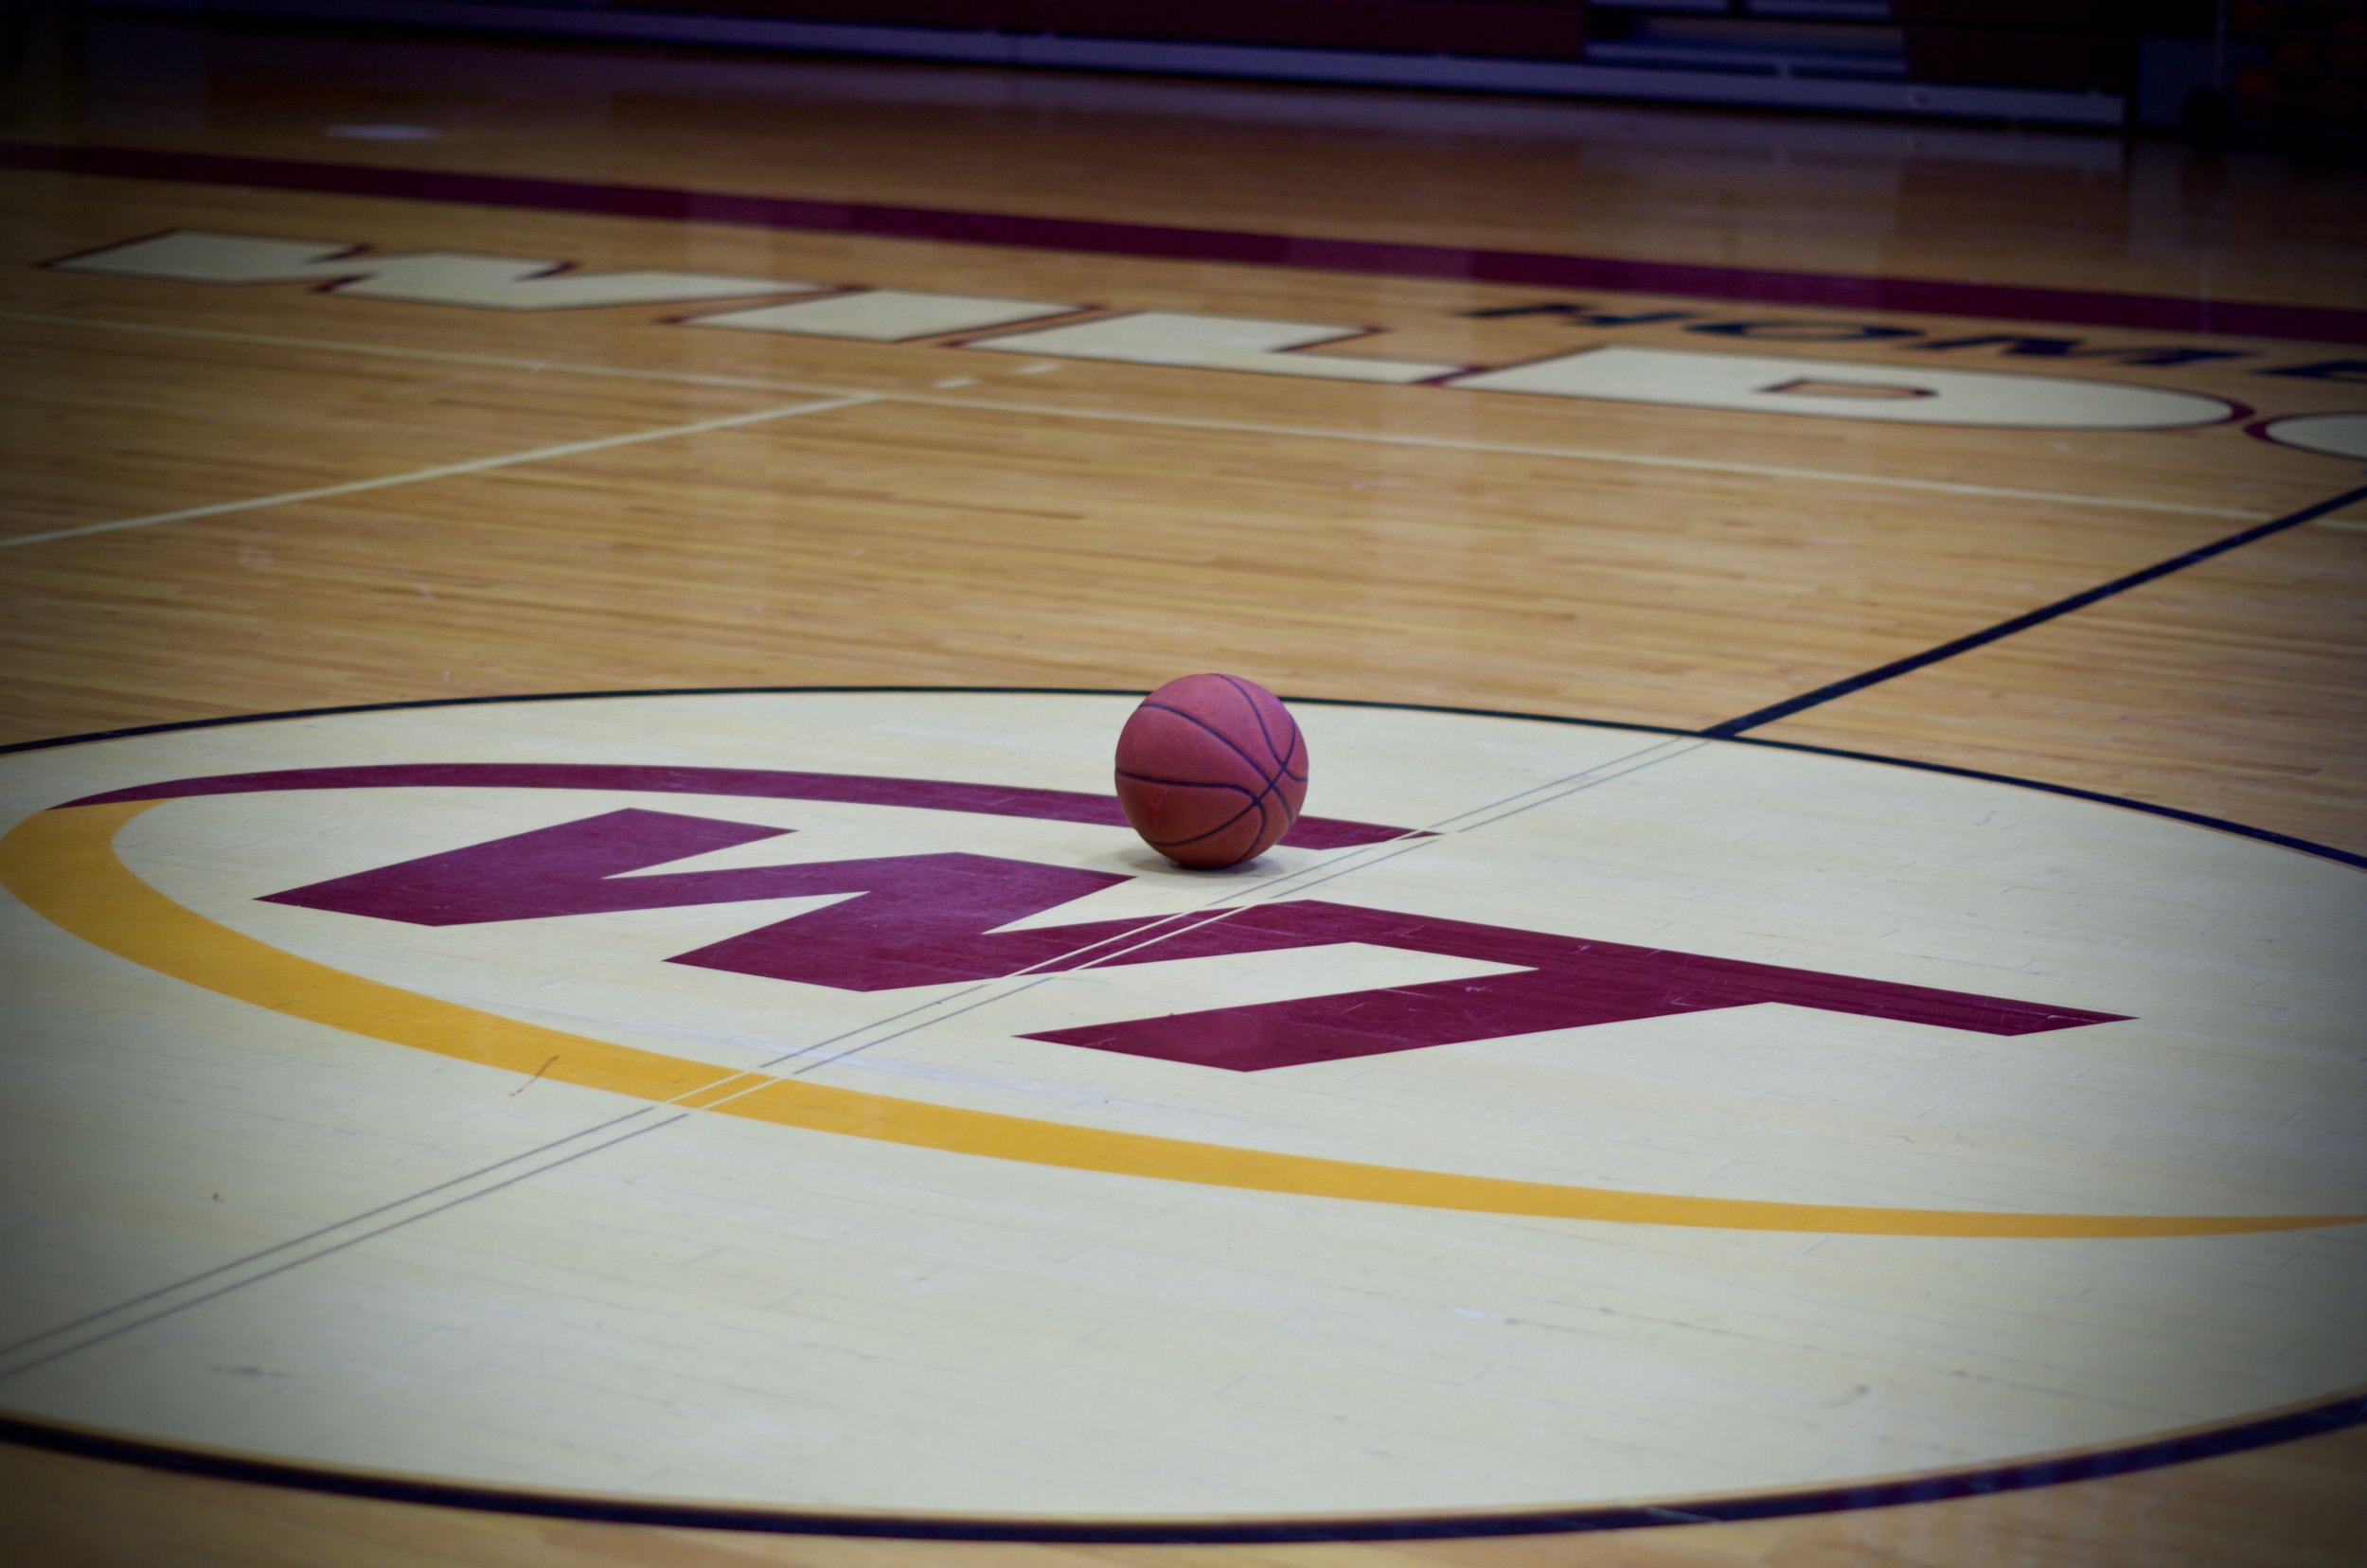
{"x":1211,"y":769}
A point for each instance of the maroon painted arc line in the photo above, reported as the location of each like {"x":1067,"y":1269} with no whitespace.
{"x":932,"y":794}
{"x":1541,"y":269}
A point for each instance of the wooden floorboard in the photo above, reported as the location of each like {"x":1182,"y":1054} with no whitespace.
{"x":229,"y":499}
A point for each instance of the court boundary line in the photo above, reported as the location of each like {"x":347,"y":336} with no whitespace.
{"x":1243,"y":247}
{"x":1733,"y":728}
{"x":444,"y":470}
{"x":2197,"y":819}
{"x":2179,"y":1446}
{"x":1180,"y":421}
{"x":2262,"y":1428}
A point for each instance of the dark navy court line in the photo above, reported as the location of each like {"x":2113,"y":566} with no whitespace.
{"x":401,"y":705}
{"x":2265,"y":835}
{"x":2308,"y":847}
{"x":2345,"y":1410}
{"x":1822,"y":694}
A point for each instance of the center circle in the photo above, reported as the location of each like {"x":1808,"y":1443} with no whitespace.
{"x":1573,"y":1114}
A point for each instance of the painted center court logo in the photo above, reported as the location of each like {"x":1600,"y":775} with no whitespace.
{"x":993,"y":917}
{"x":935,"y":918}
{"x":841,"y":1070}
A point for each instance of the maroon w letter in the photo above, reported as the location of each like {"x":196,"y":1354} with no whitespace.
{"x":926,"y":919}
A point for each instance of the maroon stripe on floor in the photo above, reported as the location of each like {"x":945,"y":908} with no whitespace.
{"x":1538,"y":269}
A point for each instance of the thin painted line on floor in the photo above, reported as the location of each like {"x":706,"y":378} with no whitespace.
{"x":1225,"y":905}
{"x":1182,"y":421}
{"x":470,"y":1196}
{"x":1913,"y":661}
{"x":442,"y":471}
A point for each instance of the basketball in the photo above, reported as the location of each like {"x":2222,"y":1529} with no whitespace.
{"x":1211,"y":769}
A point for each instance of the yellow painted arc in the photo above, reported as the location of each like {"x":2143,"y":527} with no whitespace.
{"x":63,"y":865}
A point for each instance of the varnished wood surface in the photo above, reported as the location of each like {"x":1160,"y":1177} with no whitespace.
{"x":2240,"y":658}
{"x":1717,"y":187}
{"x":1072,"y":523}
{"x":1839,"y":547}
{"x":1142,"y":547}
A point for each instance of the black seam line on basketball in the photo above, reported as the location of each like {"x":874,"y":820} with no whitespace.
{"x":1282,"y":754}
{"x":293,"y":1263}
{"x":1254,"y":766}
{"x":1191,"y":784}
{"x":2303,"y":845}
{"x":1269,"y":779}
{"x":1256,"y":717}
{"x":1187,"y":783}
{"x":14,"y":1346}
{"x":1256,"y":802}
{"x":1734,"y":727}
{"x":1259,"y":716}
{"x":2344,"y":1411}
{"x":1179,"y":843}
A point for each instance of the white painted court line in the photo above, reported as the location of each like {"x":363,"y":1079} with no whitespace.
{"x":444,"y":470}
{"x":1222,"y":906}
{"x":1590,"y":455}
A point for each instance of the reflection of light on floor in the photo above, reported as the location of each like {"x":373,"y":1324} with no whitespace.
{"x":383,"y":133}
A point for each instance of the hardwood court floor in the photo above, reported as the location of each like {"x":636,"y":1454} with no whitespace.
{"x":237,"y":499}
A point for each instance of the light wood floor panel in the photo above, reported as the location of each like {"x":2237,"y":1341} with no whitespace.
{"x":99,"y":428}
{"x":1720,"y":188}
{"x":2216,"y":469}
{"x":905,"y":544}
